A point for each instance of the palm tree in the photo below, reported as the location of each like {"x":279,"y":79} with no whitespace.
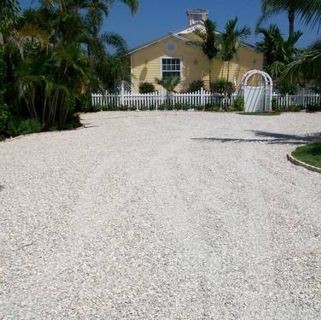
{"x":9,"y":10}
{"x":52,"y":57}
{"x":308,"y":11}
{"x":209,"y":43}
{"x":231,"y":40}
{"x":277,"y":51}
{"x":307,"y":65}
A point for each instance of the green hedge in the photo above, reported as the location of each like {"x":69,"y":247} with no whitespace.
{"x":177,"y":106}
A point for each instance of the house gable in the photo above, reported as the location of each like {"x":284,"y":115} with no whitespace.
{"x":147,"y":66}
{"x":146,"y":63}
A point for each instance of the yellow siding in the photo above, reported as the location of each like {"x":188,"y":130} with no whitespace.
{"x":246,"y":59}
{"x":146,"y":64}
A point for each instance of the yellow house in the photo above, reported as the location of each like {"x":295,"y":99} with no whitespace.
{"x":174,"y":55}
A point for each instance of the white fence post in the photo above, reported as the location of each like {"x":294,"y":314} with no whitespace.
{"x":202,"y":97}
{"x":122,"y":94}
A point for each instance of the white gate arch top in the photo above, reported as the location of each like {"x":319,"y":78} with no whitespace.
{"x":267,"y":90}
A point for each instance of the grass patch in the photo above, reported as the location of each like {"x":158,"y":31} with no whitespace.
{"x":274,"y":113}
{"x":310,"y":153}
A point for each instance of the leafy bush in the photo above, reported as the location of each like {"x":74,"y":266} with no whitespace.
{"x":313,"y":107}
{"x":223,"y":86}
{"x":4,"y":116}
{"x":169,"y":83}
{"x":238,"y":104}
{"x":195,"y":86}
{"x":72,"y":122}
{"x":146,"y":87}
{"x":295,"y":108}
{"x":287,"y":88}
{"x":212,"y":107}
{"x":17,"y":126}
{"x":83,"y":103}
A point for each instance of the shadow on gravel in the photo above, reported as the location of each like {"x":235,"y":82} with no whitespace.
{"x":270,"y":138}
{"x":1,"y":187}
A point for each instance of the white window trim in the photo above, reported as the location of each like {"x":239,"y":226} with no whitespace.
{"x":169,"y":57}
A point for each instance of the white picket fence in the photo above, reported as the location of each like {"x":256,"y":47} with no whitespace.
{"x":156,"y":99}
{"x":200,"y":98}
{"x":302,"y":99}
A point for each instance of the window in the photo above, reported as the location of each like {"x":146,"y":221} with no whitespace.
{"x":197,"y":17}
{"x":171,"y":67}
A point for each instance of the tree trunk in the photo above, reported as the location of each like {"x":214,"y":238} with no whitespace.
{"x":228,"y":71}
{"x":291,"y":18}
{"x":210,"y":74}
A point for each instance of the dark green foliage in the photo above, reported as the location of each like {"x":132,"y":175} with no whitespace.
{"x":231,"y":41}
{"x":309,"y":11}
{"x":238,"y":103}
{"x":146,"y":87}
{"x":17,"y":126}
{"x":210,"y":42}
{"x":209,"y":46}
{"x":4,"y":117}
{"x":170,"y":83}
{"x":223,"y":86}
{"x":51,"y":59}
{"x":295,"y":108}
{"x":285,"y":87}
{"x":195,"y":86}
{"x":291,"y":108}
{"x":9,"y":10}
{"x":72,"y":122}
{"x":313,"y":108}
{"x":212,"y":107}
{"x":275,"y":104}
{"x":4,"y":110}
{"x":306,"y":66}
{"x":278,"y":52}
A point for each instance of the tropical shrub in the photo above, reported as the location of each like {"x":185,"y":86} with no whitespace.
{"x":212,"y":107}
{"x":295,"y":108}
{"x":146,"y":87}
{"x":195,"y":86}
{"x":4,"y":116}
{"x":223,"y":86}
{"x":17,"y":126}
{"x":170,"y":83}
{"x":53,"y":57}
{"x":238,"y":103}
{"x":313,"y":107}
{"x":285,"y":87}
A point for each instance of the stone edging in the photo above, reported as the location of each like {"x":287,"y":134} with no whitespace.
{"x":303,"y":164}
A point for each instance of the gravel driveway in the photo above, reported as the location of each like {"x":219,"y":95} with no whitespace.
{"x":161,"y":215}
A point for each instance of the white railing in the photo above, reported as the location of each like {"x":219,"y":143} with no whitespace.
{"x":302,"y":99}
{"x":202,"y":97}
{"x":156,"y":99}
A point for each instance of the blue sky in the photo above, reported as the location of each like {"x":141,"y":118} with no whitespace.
{"x":156,"y":18}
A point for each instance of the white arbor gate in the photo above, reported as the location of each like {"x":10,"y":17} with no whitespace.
{"x":257,"y":98}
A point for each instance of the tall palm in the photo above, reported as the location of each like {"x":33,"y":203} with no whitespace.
{"x":209,"y":43}
{"x":309,"y":11}
{"x":231,"y":40}
{"x":277,"y":51}
{"x":77,"y":5}
{"x":307,"y":65}
{"x":9,"y":10}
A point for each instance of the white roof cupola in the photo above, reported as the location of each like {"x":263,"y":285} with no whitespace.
{"x":196,"y":16}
